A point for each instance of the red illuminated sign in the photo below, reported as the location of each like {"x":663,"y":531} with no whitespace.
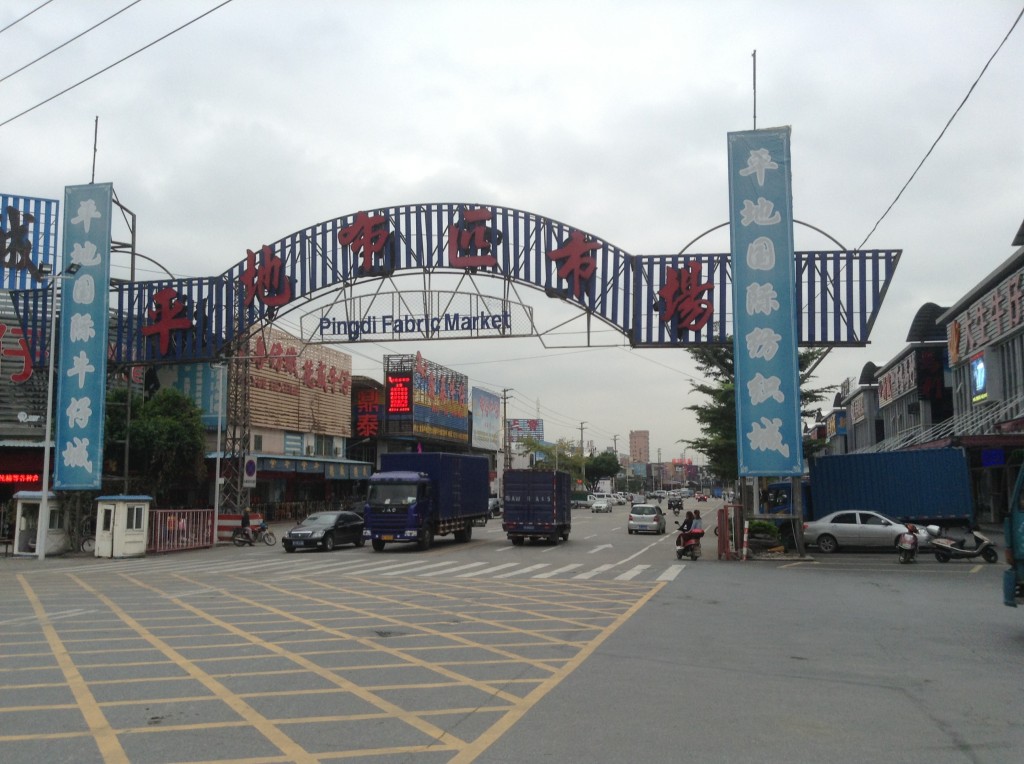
{"x":16,"y":477}
{"x":399,"y":393}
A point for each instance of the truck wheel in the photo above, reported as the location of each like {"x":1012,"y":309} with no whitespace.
{"x":565,"y":537}
{"x":465,"y":534}
{"x":990,"y":555}
{"x":518,"y":540}
{"x":378,"y":545}
{"x":425,"y":541}
{"x":553,"y":539}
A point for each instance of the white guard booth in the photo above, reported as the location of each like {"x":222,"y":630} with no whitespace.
{"x":26,"y":524}
{"x":122,"y":526}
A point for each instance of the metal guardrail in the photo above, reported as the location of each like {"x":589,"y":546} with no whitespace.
{"x":176,"y":530}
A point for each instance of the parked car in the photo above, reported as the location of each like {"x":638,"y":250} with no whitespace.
{"x":620,"y":499}
{"x":494,"y":506}
{"x":646,"y":518}
{"x":601,"y":505}
{"x":857,"y":528}
{"x":325,"y":530}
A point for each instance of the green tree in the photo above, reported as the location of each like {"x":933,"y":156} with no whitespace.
{"x":716,"y":415}
{"x":166,"y":443}
{"x":603,"y":465}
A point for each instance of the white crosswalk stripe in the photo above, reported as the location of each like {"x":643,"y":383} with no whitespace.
{"x":299,"y":566}
{"x":632,"y":573}
{"x":591,"y":573}
{"x":524,"y":571}
{"x":487,"y":570}
{"x":563,"y":569}
{"x":670,"y":573}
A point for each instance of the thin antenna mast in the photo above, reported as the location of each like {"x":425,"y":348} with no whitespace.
{"x":95,"y":138}
{"x":754,"y":56}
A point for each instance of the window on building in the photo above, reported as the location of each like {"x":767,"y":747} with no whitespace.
{"x":257,"y":442}
{"x":135,"y":517}
{"x":293,"y":444}
{"x":324,"y":445}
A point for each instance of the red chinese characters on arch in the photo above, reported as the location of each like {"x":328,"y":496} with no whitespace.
{"x":167,"y":315}
{"x":469,"y":242}
{"x":684,"y":300}
{"x":265,"y":279}
{"x":19,"y":352}
{"x":576,"y":263}
{"x":368,"y":236}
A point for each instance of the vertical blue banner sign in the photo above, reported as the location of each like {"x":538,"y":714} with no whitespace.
{"x":82,"y":363}
{"x":768,"y":431}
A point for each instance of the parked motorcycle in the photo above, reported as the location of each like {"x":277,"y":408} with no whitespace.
{"x":947,"y":549}
{"x":261,"y":532}
{"x":907,"y":545}
{"x":688,"y":544}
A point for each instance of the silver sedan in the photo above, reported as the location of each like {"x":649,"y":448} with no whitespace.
{"x":857,"y":528}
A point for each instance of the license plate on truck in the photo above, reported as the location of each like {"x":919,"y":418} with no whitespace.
{"x":387,"y":537}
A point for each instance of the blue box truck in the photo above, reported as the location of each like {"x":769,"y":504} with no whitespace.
{"x":925,"y":486}
{"x":418,"y":496}
{"x":538,"y":505}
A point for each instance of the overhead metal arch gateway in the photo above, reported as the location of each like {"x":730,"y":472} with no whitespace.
{"x":677,"y":300}
{"x":471,"y":261}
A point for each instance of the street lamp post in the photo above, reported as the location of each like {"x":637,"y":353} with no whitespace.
{"x":221,"y":368}
{"x":44,"y":502}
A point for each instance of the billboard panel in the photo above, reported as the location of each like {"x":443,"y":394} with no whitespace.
{"x":440,"y":399}
{"x":523,"y":428}
{"x":486,"y":420}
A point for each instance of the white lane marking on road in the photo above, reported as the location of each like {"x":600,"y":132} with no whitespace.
{"x":487,"y":570}
{"x":632,"y":573}
{"x":599,"y":547}
{"x":563,"y":569}
{"x":467,"y":566}
{"x":594,"y":572}
{"x":671,"y":573}
{"x":591,"y":536}
{"x":527,"y":569}
{"x":421,"y":567}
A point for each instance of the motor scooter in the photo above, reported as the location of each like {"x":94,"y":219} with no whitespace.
{"x":947,"y":549}
{"x":907,"y":544}
{"x":688,"y":543}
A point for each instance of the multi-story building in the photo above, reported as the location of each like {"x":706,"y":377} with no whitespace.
{"x":639,"y":446}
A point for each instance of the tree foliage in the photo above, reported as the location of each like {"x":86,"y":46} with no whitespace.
{"x":166,"y":443}
{"x":716,"y":415}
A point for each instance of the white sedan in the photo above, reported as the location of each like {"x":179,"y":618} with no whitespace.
{"x":601,"y":505}
{"x":857,"y":528}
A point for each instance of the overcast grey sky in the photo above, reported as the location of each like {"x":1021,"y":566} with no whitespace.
{"x":267,"y":116}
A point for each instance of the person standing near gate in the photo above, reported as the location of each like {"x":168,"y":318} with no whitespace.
{"x":246,"y":526}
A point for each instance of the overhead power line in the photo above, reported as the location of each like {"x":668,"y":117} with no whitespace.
{"x":16,"y":21}
{"x":948,"y":123}
{"x":111,"y":66}
{"x":68,"y":42}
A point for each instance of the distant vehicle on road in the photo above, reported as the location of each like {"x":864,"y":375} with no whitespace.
{"x":700,"y":496}
{"x":601,"y":505}
{"x":646,"y":518}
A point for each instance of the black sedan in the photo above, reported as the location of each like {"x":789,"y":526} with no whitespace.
{"x":325,"y":530}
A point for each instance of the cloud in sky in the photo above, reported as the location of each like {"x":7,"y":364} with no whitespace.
{"x":267,"y":117}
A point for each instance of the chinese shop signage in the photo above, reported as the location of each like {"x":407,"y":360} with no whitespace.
{"x":769,"y":438}
{"x":82,"y":356}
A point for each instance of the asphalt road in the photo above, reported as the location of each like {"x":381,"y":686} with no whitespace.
{"x":604,"y":649}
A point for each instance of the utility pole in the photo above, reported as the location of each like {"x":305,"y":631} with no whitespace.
{"x":507,"y":442}
{"x":583,"y":469}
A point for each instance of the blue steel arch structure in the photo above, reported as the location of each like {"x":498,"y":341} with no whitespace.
{"x":643,"y":296}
